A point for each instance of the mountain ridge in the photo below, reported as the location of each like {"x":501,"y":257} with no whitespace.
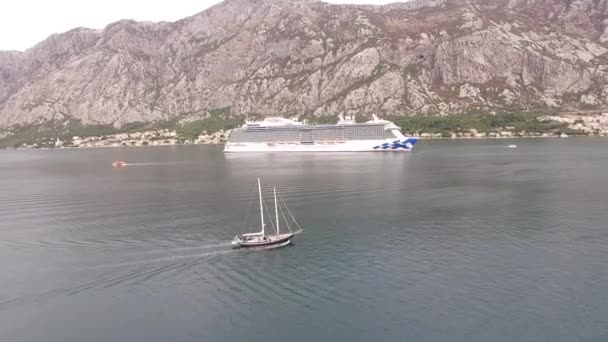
{"x":303,"y":58}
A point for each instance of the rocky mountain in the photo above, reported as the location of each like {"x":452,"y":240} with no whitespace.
{"x":304,"y":57}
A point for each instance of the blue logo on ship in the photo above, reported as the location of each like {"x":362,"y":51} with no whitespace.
{"x":397,"y":145}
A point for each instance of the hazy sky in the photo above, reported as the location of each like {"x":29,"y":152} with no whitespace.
{"x":24,"y":23}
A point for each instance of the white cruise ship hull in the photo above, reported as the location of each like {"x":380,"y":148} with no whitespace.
{"x":388,"y":145}
{"x":284,"y":135}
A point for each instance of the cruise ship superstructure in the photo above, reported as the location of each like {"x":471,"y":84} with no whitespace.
{"x":286,"y":135}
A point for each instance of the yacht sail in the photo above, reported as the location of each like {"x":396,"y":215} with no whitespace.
{"x":262,"y":239}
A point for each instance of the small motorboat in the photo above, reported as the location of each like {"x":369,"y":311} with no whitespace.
{"x":119,"y":163}
{"x":512,"y":146}
{"x":264,"y":240}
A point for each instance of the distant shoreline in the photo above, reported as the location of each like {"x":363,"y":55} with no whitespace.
{"x":98,"y":147}
{"x":223,"y":143}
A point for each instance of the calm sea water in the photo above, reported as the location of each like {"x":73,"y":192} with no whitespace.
{"x":457,"y":241}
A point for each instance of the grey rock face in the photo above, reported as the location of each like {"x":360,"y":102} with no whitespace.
{"x":293,"y":58}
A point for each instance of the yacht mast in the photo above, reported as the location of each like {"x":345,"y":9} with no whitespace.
{"x":276,"y":208}
{"x":261,"y":206}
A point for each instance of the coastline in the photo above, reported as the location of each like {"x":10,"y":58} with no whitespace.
{"x":96,"y":147}
{"x":479,"y":127}
{"x":223,"y":143}
{"x":509,"y":126}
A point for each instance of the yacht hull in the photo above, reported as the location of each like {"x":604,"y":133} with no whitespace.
{"x":264,"y":243}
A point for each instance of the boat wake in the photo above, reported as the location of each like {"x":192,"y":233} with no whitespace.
{"x":170,"y":258}
{"x":502,"y":146}
{"x":121,"y":164}
{"x":151,"y":164}
{"x":146,"y":271}
{"x":142,"y":246}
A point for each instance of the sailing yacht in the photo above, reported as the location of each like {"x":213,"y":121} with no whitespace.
{"x":263,"y":238}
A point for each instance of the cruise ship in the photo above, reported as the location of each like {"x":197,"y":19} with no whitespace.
{"x":277,"y":134}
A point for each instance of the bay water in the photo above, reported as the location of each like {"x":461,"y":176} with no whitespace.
{"x":456,"y":241}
